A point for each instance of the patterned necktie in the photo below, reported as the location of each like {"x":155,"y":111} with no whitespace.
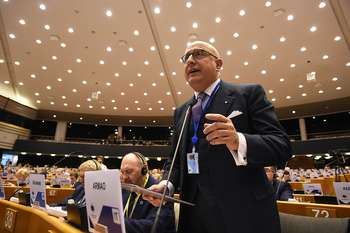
{"x":197,"y":108}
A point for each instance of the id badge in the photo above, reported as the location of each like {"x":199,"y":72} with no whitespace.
{"x":192,"y":163}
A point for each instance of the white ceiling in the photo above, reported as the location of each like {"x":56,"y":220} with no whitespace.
{"x":94,"y":32}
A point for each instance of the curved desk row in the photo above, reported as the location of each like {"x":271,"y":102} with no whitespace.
{"x":22,"y":219}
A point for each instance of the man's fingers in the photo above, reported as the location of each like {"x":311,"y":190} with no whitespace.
{"x":208,"y":128}
{"x":216,"y":117}
{"x":221,"y":140}
{"x":219,"y":134}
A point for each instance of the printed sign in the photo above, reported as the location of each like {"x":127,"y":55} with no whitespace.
{"x":314,"y":189}
{"x":342,"y":190}
{"x":104,"y":214}
{"x":37,"y":190}
{"x":2,"y":191}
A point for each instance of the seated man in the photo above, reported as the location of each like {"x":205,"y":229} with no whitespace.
{"x":283,"y":191}
{"x":140,"y":214}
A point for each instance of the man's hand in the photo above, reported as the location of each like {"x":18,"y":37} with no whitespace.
{"x":156,"y":188}
{"x":221,"y":131}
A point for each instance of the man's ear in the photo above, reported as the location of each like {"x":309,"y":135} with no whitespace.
{"x":219,"y":64}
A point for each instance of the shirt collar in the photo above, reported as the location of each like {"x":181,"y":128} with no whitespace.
{"x":210,"y":89}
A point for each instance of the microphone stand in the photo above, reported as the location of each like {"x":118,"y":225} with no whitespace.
{"x":154,"y":226}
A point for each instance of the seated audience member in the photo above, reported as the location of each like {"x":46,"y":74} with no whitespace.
{"x":286,"y":176}
{"x":140,"y":214}
{"x":282,"y":190}
{"x":74,"y":175}
{"x":79,"y":193}
{"x":22,"y":176}
{"x":100,"y":160}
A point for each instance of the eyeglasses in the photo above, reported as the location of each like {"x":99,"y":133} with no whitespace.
{"x":196,"y":54}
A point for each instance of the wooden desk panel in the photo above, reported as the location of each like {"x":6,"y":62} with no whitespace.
{"x":31,"y":220}
{"x":53,"y":195}
{"x":314,"y":210}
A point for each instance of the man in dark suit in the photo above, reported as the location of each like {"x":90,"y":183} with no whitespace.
{"x":140,"y":214}
{"x":220,"y":162}
{"x":282,"y":190}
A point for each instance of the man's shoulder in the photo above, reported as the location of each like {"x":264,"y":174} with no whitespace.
{"x":246,"y":87}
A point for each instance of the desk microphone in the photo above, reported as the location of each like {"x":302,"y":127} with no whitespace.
{"x":154,"y":226}
{"x":64,"y":157}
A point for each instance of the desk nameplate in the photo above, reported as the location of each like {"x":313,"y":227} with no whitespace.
{"x":320,"y":212}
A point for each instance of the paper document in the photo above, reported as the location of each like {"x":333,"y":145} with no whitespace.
{"x":138,"y":189}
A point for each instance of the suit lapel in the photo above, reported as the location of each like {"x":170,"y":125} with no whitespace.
{"x":222,"y":101}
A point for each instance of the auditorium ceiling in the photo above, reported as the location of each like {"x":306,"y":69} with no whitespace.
{"x":121,"y":58}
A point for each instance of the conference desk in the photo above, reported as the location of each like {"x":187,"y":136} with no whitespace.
{"x":15,"y":218}
{"x":53,"y":195}
{"x":314,"y":210}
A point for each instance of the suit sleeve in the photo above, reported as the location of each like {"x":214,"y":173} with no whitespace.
{"x":286,"y":192}
{"x":267,"y":143}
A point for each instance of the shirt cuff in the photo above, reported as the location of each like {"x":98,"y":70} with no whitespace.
{"x":240,"y":156}
{"x":170,"y":186}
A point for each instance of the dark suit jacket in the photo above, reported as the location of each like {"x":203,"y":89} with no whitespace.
{"x":144,"y":215}
{"x":282,"y":190}
{"x":242,"y":195}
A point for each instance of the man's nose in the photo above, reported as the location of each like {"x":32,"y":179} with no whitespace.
{"x":190,"y":59}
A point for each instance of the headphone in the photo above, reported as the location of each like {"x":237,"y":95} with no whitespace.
{"x":97,"y":164}
{"x":141,"y":157}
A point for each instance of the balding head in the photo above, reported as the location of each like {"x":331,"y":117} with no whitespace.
{"x":205,"y":46}
{"x":130,"y":170}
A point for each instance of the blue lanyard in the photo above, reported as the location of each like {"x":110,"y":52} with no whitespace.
{"x":196,"y":124}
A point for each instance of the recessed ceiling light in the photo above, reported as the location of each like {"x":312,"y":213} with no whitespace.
{"x":304,"y":94}
{"x":70,"y":30}
{"x":54,"y":116}
{"x":2,"y":61}
{"x":47,"y":27}
{"x":69,"y":71}
{"x":270,"y":91}
{"x":59,"y":79}
{"x":167,"y":47}
{"x":12,"y":36}
{"x":109,"y":49}
{"x":338,"y":88}
{"x":236,"y":76}
{"x":290,"y":17}
{"x":282,"y":39}
{"x":268,"y":3}
{"x":242,"y":12}
{"x":348,"y":64}
{"x":159,"y":101}
{"x":152,"y":48}
{"x":195,"y":25}
{"x":173,"y":29}
{"x":139,"y":74}
{"x":337,"y":38}
{"x":303,"y":49}
{"x":63,"y":45}
{"x":273,"y":99}
{"x":335,"y":79}
{"x":78,"y":60}
{"x":65,"y":104}
{"x":7,"y":82}
{"x":136,"y":33}
{"x":108,"y":84}
{"x":228,"y":52}
{"x":145,"y":94}
{"x":122,"y":93}
{"x":78,"y":105}
{"x":320,"y":92}
{"x":21,"y":83}
{"x":292,"y":65}
{"x":322,"y":4}
{"x":173,"y":108}
{"x":300,"y":86}
{"x":64,"y":97}
{"x":236,"y":35}
{"x":90,"y":106}
{"x":81,"y":118}
{"x":103,"y":107}
{"x":245,"y":63}
{"x":156,"y":10}
{"x":217,"y":19}
{"x":281,"y":79}
{"x":102,"y":62}
{"x":273,"y":57}
{"x":288,"y":97}
{"x":126,"y":108}
{"x":293,"y":111}
{"x":254,"y":46}
{"x":109,"y":13}
{"x":136,"y":102}
{"x":131,"y":49}
{"x":313,"y":29}
{"x":33,"y":76}
{"x":22,"y":21}
{"x":149,"y":109}
{"x":38,"y":101}
{"x":131,"y":84}
{"x":42,"y":6}
{"x":173,"y":73}
{"x":325,"y":57}
{"x":84,"y":82}
{"x":124,"y":63}
{"x":146,"y":63}
{"x":52,"y":103}
{"x":36,"y":94}
{"x":88,"y":99}
{"x":168,"y":93}
{"x":17,"y":63}
{"x":188,"y":4}
{"x":44,"y":67}
{"x":161,"y":74}
{"x":154,"y":84}
{"x":161,"y":109}
{"x":263,"y":72}
{"x":179,"y":92}
{"x":74,"y":90}
{"x":116,"y":74}
{"x":54,"y":57}
{"x":114,"y":108}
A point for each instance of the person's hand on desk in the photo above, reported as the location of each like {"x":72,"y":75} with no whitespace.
{"x":156,"y":188}
{"x":221,"y":131}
